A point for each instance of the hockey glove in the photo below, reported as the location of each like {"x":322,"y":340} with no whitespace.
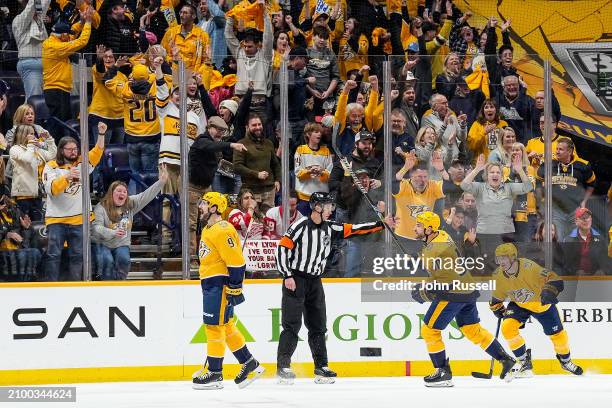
{"x":421,"y":295}
{"x":234,"y":294}
{"x":548,"y":297}
{"x":550,"y":291}
{"x":498,"y":309}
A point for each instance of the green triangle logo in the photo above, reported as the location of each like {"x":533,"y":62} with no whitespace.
{"x":200,"y":336}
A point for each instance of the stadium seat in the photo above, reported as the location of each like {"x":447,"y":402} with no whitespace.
{"x":151,"y":216}
{"x":115,"y":165}
{"x":75,"y":125}
{"x":14,"y":101}
{"x":59,"y":129}
{"x":40,"y":108}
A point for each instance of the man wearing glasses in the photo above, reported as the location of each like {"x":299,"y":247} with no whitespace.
{"x":204,"y":157}
{"x":447,"y":124}
{"x":64,"y":214}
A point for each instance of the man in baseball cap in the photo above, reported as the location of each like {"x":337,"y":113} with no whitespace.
{"x":364,"y":135}
{"x":56,"y":66}
{"x":582,"y":212}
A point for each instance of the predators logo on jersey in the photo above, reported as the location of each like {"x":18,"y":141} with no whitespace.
{"x":522,"y":295}
{"x":417,"y":209}
{"x":219,"y":250}
{"x":203,"y":251}
{"x":410,"y":203}
{"x":73,"y":188}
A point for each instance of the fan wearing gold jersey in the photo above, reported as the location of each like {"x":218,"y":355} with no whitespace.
{"x":142,"y":124}
{"x":222,"y":267}
{"x":532,"y":291}
{"x":447,"y":305}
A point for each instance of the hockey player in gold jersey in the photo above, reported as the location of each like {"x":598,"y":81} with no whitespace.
{"x":222,"y":268}
{"x":447,"y":305}
{"x":532,"y":291}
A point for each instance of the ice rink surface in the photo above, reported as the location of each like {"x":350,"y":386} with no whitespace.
{"x":554,"y":391}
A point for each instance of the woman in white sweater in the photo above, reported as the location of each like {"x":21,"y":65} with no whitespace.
{"x":28,"y":156}
{"x":112,"y":226}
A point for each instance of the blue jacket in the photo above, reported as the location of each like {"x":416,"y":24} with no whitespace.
{"x":216,"y":32}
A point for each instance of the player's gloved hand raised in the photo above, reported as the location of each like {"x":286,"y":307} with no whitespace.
{"x":234,"y":294}
{"x":498,"y":309}
{"x":421,"y":295}
{"x":548,"y":297}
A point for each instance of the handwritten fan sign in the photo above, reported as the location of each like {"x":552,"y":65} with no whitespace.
{"x":260,"y":255}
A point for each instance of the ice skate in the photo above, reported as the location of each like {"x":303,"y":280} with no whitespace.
{"x":508,"y":363}
{"x":200,"y":371}
{"x":285,"y":376}
{"x":251,"y":366}
{"x":569,"y":366}
{"x":442,"y":377}
{"x":525,"y":370}
{"x":208,"y":380}
{"x":324,"y":375}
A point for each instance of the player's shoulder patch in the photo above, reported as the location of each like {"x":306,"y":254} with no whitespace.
{"x":224,"y":226}
{"x":544,"y":272}
{"x":220,"y":228}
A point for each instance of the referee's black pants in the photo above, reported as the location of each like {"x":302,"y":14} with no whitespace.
{"x":308,"y":299}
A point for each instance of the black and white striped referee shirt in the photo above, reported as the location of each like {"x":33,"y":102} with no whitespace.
{"x":304,"y":248}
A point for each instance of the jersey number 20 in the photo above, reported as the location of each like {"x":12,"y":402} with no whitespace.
{"x":142,"y":110}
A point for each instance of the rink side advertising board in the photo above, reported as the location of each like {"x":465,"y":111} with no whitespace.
{"x":123,"y":331}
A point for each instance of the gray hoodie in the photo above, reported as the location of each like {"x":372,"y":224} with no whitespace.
{"x":103,"y":230}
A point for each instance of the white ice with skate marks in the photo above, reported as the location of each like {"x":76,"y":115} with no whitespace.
{"x":554,"y":391}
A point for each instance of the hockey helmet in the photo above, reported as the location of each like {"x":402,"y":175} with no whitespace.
{"x":216,"y":199}
{"x":429,"y":219}
{"x":321,"y":198}
{"x":507,"y":249}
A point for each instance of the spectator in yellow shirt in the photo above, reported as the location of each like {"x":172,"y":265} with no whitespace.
{"x":191,"y":42}
{"x":535,"y":146}
{"x":105,"y":105}
{"x":482,"y":137}
{"x":57,"y":71}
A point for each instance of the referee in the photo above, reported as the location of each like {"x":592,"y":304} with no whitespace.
{"x":301,"y":256}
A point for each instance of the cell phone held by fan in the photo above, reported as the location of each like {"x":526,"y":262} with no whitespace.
{"x":226,"y":168}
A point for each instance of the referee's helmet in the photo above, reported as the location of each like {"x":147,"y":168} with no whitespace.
{"x":320,"y":198}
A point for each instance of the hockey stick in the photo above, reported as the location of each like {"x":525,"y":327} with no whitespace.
{"x":347,"y":167}
{"x":489,"y":375}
